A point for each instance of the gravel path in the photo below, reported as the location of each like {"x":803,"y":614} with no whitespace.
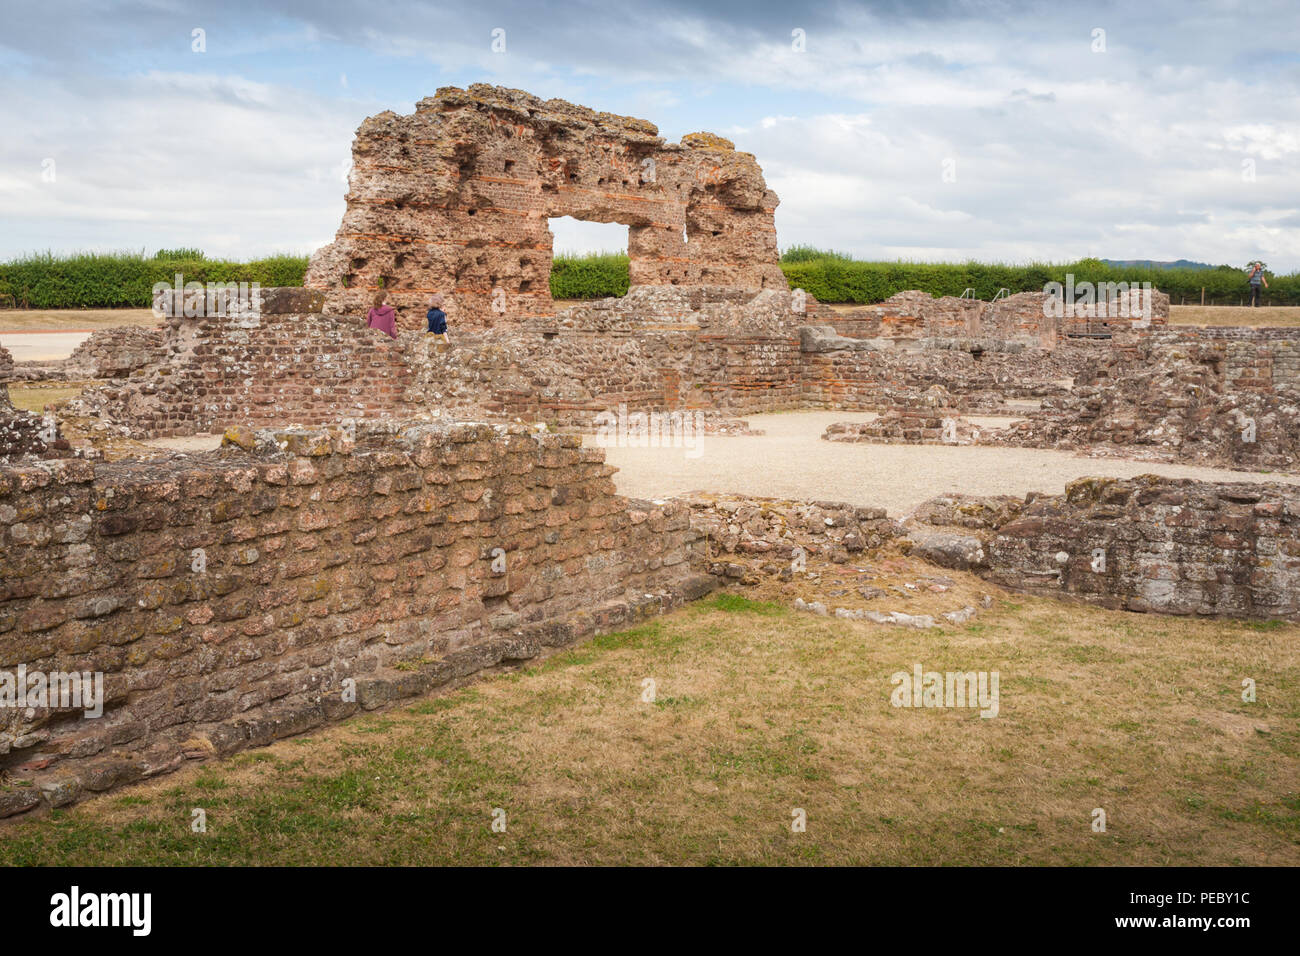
{"x":41,"y":346}
{"x":791,"y":461}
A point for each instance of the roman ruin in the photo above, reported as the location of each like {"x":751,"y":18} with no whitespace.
{"x":455,"y":199}
{"x":385,"y":517}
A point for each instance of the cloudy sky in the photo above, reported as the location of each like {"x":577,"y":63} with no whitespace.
{"x":914,"y":130}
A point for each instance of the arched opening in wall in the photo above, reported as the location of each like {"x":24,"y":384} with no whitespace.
{"x":589,"y":260}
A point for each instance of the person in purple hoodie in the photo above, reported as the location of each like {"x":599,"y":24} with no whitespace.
{"x":382,"y":316}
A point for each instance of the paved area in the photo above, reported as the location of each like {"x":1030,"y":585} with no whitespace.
{"x":791,"y":461}
{"x":41,"y":346}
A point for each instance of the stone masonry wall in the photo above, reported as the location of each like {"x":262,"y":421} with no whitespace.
{"x":1250,"y":358}
{"x":1019,"y":320}
{"x":1175,"y":546}
{"x":724,"y":350}
{"x":226,"y":596}
{"x":115,"y":353}
{"x":285,"y":364}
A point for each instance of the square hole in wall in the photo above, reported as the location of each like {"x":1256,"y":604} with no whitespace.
{"x":590,"y":259}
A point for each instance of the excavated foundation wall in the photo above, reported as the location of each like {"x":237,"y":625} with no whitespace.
{"x":229,"y":597}
{"x":1169,"y":545}
{"x":1248,"y":358}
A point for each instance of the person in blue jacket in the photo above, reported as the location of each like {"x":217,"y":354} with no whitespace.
{"x":437,"y":318}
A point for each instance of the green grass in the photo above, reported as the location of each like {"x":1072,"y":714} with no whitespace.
{"x":760,"y":710}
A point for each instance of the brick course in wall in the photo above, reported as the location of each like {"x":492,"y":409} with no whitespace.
{"x":226,"y":596}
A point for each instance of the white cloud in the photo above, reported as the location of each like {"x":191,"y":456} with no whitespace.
{"x":1059,"y":151}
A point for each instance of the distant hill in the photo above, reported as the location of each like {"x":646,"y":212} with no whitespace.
{"x":1153,"y":264}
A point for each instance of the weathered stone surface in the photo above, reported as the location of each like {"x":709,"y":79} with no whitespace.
{"x":962,"y":552}
{"x":1175,"y":546}
{"x":228,"y":596}
{"x":24,"y":435}
{"x":18,"y":800}
{"x":115,"y":353}
{"x":286,"y":300}
{"x":455,"y":199}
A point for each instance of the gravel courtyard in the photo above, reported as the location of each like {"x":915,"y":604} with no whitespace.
{"x":791,"y":461}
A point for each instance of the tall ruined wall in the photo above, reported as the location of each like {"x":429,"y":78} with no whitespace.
{"x":226,"y":596}
{"x":455,"y":199}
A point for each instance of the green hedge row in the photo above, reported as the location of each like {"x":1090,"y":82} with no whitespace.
{"x":46,"y":281}
{"x":125,"y":280}
{"x":839,"y":279}
{"x":594,"y":276}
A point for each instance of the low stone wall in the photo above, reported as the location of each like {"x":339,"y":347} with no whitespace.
{"x":1176,"y":546}
{"x":854,"y":375}
{"x":229,"y":597}
{"x":286,"y":364}
{"x":6,"y":365}
{"x":908,"y":426}
{"x":115,"y":353}
{"x":25,"y":435}
{"x":730,"y":351}
{"x":1248,"y":358}
{"x":1178,"y":398}
{"x":1020,"y":320}
{"x":779,"y":529}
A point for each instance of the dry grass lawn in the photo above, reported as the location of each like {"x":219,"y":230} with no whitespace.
{"x":34,"y":399}
{"x":761,"y":710}
{"x":1286,"y":316}
{"x":66,"y":320}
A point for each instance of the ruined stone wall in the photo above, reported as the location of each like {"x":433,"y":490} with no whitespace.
{"x":285,"y":364}
{"x":1185,"y":397}
{"x":656,"y":349}
{"x":455,"y":199}
{"x":6,"y":365}
{"x":727,"y":351}
{"x":842,"y":373}
{"x":26,"y":435}
{"x":226,"y":596}
{"x":1248,"y":358}
{"x":1175,"y":546}
{"x":915,"y":318}
{"x":115,"y":353}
